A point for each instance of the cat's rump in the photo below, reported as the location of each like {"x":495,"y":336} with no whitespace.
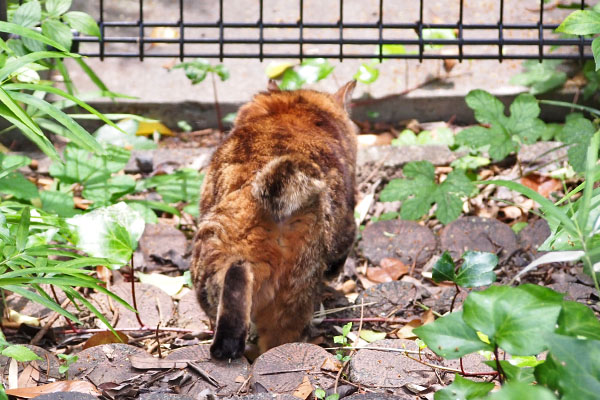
{"x":285,"y":185}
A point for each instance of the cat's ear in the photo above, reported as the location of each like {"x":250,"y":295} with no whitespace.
{"x":272,"y":86}
{"x":344,"y":95}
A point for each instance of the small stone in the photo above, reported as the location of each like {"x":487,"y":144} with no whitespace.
{"x":349,"y":286}
{"x":145,"y":162}
{"x":533,"y":235}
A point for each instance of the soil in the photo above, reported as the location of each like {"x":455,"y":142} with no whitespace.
{"x":385,"y":287}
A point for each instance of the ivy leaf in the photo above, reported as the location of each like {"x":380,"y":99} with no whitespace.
{"x":109,"y":232}
{"x":443,"y":269}
{"x":20,"y":353}
{"x":464,"y":389}
{"x":405,"y":138}
{"x":573,"y":368}
{"x":450,"y":337}
{"x":519,"y":390}
{"x":578,"y":320}
{"x":540,"y":77}
{"x":477,"y":269}
{"x":581,"y":22}
{"x":82,"y":23}
{"x":58,"y":32}
{"x":367,"y":73}
{"x":449,"y":206}
{"x":28,"y":14}
{"x":514,"y":318}
{"x":57,"y":7}
{"x":512,"y":372}
{"x":577,"y":131}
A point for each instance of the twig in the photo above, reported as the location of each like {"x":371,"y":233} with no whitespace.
{"x":285,"y":371}
{"x":455,"y":296}
{"x":217,"y":107}
{"x":204,"y":374}
{"x":499,"y":369}
{"x":243,"y":385}
{"x":38,"y":336}
{"x":56,"y":299}
{"x":346,"y":381}
{"x":369,"y":319}
{"x":440,"y":367}
{"x":142,"y":329}
{"x":318,"y":314}
{"x":360,"y":324}
{"x":424,"y":307}
{"x":390,"y":349}
{"x":137,"y":312}
{"x":158,"y":340}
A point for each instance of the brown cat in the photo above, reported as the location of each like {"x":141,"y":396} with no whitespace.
{"x":277,"y":212}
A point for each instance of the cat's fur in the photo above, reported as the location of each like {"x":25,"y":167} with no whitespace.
{"x":277,"y":212}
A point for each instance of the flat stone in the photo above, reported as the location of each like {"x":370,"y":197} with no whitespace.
{"x":390,"y":298}
{"x":378,"y":396}
{"x":164,"y":396}
{"x":190,"y":315}
{"x":163,"y":244}
{"x":283,"y":368}
{"x":395,"y":157}
{"x":405,"y":240}
{"x":389,"y":370}
{"x":154,"y":305}
{"x":45,"y":370}
{"x":196,"y":158}
{"x":533,"y":235}
{"x":264,"y":396}
{"x":106,"y":363}
{"x":478,"y":234}
{"x":229,"y":374}
{"x":541,"y":153}
{"x":574,"y":291}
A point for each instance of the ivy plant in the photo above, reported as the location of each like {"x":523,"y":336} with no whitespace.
{"x":504,"y":135}
{"x":419,"y":191}
{"x":540,"y":77}
{"x":477,"y":269}
{"x":584,"y":22}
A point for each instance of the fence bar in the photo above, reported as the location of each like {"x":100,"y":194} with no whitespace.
{"x":460,"y":32}
{"x":181,"y":31}
{"x":141,"y":23}
{"x":341,"y":24}
{"x":101,"y":26}
{"x":500,"y":33}
{"x":301,"y":30}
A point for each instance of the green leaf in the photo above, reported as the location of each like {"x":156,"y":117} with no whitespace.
{"x":437,"y":33}
{"x":40,"y":300}
{"x":578,"y":320}
{"x":581,"y":22}
{"x":58,"y":32}
{"x":416,"y":169}
{"x":577,"y":363}
{"x":57,"y":7}
{"x":371,"y":336}
{"x":596,"y":51}
{"x":221,"y":71}
{"x":20,"y":353}
{"x":463,"y":389}
{"x":110,"y":135}
{"x":438,"y":136}
{"x":512,"y":372}
{"x":346,"y":329}
{"x":320,"y":393}
{"x":11,"y":162}
{"x":58,"y":203}
{"x":450,"y":337}
{"x":291,"y":80}
{"x":74,"y":131}
{"x":367,"y":73}
{"x":397,"y":189}
{"x":17,"y":185}
{"x":13,"y":65}
{"x":469,"y":162}
{"x":28,"y":14}
{"x":540,"y":77}
{"x":405,"y":138}
{"x":514,"y":318}
{"x":416,"y":207}
{"x":443,"y":269}
{"x":22,"y":230}
{"x":196,"y":70}
{"x":518,"y":390}
{"x":182,"y":185}
{"x":109,"y":232}
{"x":314,"y":69}
{"x":29,"y":33}
{"x":449,"y":206}
{"x":487,"y":108}
{"x":108,"y":191}
{"x":83,"y":167}
{"x":477,"y":269}
{"x":145,"y":211}
{"x":82,"y":22}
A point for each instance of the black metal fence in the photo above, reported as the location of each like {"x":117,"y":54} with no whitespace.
{"x":341,"y":38}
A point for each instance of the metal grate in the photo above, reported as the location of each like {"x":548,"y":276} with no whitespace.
{"x":491,"y":45}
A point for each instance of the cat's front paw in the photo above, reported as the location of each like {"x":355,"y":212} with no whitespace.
{"x":228,"y":345}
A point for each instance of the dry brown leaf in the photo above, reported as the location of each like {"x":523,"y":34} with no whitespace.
{"x":349,"y":286}
{"x":511,"y":212}
{"x":146,"y":362}
{"x":105,"y":338}
{"x":62,"y":386}
{"x":240,"y":379}
{"x":331,"y":365}
{"x":544,"y":185}
{"x":30,"y":375}
{"x":304,"y":390}
{"x":82,"y":204}
{"x":390,"y":269}
{"x":13,"y":374}
{"x":103,"y":273}
{"x":449,"y":63}
{"x":406,"y":332}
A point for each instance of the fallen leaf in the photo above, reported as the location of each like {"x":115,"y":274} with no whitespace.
{"x":449,"y":63}
{"x":148,"y":128}
{"x":276,"y":69}
{"x":62,"y":386}
{"x":406,"y":332}
{"x":146,"y":362}
{"x":331,"y":365}
{"x":370,"y":139}
{"x":105,"y":338}
{"x":240,"y":379}
{"x":22,"y":319}
{"x":169,"y":284}
{"x":103,"y":273}
{"x":390,"y":269}
{"x":371,"y":336}
{"x":544,"y":185}
{"x":511,"y":212}
{"x":13,"y":372}
{"x":304,"y":390}
{"x":30,"y":375}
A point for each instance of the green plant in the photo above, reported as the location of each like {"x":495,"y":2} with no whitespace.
{"x":322,"y":395}
{"x":476,"y":270}
{"x":419,"y":191}
{"x":66,"y":360}
{"x":504,"y":134}
{"x":196,"y":71}
{"x":294,"y":77}
{"x":343,"y":340}
{"x":540,"y":77}
{"x":584,"y":22}
{"x":437,"y":136}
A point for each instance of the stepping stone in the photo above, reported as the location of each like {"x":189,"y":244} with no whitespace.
{"x":390,"y":298}
{"x":533,"y":235}
{"x":190,"y":315}
{"x":42,"y":364}
{"x":154,"y":305}
{"x":264,"y":396}
{"x":230,"y":375}
{"x":284,"y":368}
{"x":378,"y":396}
{"x":163,"y":244}
{"x":478,"y":234}
{"x":164,"y":396}
{"x":384,"y":370}
{"x":404,"y":240}
{"x":106,"y":363}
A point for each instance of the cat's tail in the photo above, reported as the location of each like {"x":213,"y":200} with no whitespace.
{"x":286,"y":184}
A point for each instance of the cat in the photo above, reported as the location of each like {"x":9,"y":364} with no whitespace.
{"x":276,"y":214}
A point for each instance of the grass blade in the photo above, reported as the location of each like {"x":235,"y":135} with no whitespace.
{"x":29,"y":33}
{"x":41,"y":300}
{"x":571,"y":105}
{"x":591,"y":159}
{"x":75,"y":294}
{"x":23,"y":230}
{"x":66,"y":77}
{"x":13,"y":65}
